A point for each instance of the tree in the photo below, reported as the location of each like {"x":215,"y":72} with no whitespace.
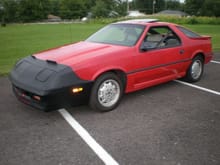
{"x":147,"y":6}
{"x":173,"y":5}
{"x":101,"y":9}
{"x":203,"y":7}
{"x":193,"y":6}
{"x":8,"y":11}
{"x":89,"y":4}
{"x":210,"y":8}
{"x":55,"y":7}
{"x":120,"y":7}
{"x":33,"y":10}
{"x":72,"y":9}
{"x":107,"y":8}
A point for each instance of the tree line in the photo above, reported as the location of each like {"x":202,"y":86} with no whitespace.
{"x":203,"y":7}
{"x":37,"y":10}
{"x":192,"y":7}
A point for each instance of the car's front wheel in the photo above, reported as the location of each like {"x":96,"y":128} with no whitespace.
{"x":195,"y":70}
{"x":106,"y":92}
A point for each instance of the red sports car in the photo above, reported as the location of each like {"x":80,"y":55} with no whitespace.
{"x":120,"y":58}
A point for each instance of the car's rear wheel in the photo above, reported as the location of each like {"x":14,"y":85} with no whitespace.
{"x":195,"y":70}
{"x":106,"y":92}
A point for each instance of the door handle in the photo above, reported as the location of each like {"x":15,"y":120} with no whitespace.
{"x":182,"y":51}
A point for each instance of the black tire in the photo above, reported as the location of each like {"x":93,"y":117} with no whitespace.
{"x":106,"y":92}
{"x":195,"y":70}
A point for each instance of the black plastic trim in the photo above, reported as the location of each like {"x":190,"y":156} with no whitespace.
{"x":51,"y":81}
{"x":156,"y":66}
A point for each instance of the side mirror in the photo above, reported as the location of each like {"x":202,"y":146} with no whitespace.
{"x":145,"y":46}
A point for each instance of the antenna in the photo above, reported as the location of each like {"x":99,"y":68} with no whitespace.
{"x":71,"y":33}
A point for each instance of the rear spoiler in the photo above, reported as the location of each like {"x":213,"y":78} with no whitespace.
{"x":203,"y":37}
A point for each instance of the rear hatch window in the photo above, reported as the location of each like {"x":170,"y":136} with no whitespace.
{"x":188,"y":32}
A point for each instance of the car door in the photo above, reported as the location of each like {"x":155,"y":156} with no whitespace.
{"x":160,"y":57}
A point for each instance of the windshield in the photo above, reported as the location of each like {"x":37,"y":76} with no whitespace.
{"x":118,"y":34}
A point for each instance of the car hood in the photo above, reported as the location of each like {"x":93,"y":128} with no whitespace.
{"x":78,"y":52}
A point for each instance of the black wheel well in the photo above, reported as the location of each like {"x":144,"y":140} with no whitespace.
{"x":118,"y":73}
{"x":200,"y":55}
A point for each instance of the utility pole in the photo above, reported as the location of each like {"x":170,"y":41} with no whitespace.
{"x":127,"y":5}
{"x":154,"y":2}
{"x":165,"y":4}
{"x":2,"y":9}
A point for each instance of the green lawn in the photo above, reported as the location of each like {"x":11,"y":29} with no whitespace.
{"x":19,"y":40}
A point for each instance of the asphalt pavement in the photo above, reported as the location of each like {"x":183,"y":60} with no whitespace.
{"x":169,"y":124}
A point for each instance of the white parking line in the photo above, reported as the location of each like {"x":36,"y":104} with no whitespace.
{"x":198,"y":87}
{"x":216,"y":62}
{"x":98,"y":149}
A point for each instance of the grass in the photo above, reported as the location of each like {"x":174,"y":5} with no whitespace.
{"x":20,"y":40}
{"x":17,"y":41}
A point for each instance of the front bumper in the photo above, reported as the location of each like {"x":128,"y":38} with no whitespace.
{"x":47,"y":85}
{"x":64,"y":98}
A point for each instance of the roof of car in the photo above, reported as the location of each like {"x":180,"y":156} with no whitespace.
{"x":143,"y":21}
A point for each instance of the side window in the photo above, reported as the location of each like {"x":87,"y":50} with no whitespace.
{"x":188,"y":33}
{"x":160,"y":37}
